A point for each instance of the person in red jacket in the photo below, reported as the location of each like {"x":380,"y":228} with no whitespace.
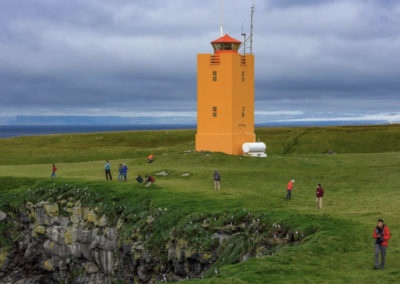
{"x":54,"y":171}
{"x":320,"y":195}
{"x":149,"y":180}
{"x":289,"y":189}
{"x":381,"y":236}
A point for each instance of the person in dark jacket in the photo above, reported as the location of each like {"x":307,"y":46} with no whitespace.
{"x":381,"y":235}
{"x":217,"y":179}
{"x":320,"y":195}
{"x":120,"y":172}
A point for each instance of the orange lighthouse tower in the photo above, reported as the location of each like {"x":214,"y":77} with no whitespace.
{"x":225,"y":98}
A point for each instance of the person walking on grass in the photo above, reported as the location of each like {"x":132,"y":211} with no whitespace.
{"x":125,"y":172}
{"x":320,"y":195}
{"x":381,"y":236}
{"x":54,"y":169}
{"x":107,"y":167}
{"x":120,"y":172}
{"x":217,"y":179}
{"x":289,"y":189}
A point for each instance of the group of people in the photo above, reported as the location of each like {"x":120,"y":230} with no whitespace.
{"x":148,"y":180}
{"x":123,"y":174}
{"x":319,"y":193}
{"x":122,"y":171}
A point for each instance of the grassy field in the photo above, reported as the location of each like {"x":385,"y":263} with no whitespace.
{"x":134,"y":144}
{"x":361,"y":182}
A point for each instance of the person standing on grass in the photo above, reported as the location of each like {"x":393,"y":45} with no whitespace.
{"x":120,"y":172}
{"x":289,"y":189}
{"x":107,"y":167}
{"x":381,"y":236}
{"x":320,"y":195}
{"x":150,"y":158}
{"x":125,"y":172}
{"x":217,"y":179}
{"x":54,"y":171}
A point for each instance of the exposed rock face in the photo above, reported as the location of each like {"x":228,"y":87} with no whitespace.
{"x":82,"y":247}
{"x":54,"y":246}
{"x":3,"y":216}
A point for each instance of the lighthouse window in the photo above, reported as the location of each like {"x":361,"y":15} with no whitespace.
{"x":243,"y":76}
{"x":242,"y":111}
{"x":214,"y":76}
{"x":214,"y":111}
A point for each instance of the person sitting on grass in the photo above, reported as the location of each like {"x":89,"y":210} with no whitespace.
{"x":54,"y":171}
{"x":150,"y":158}
{"x":139,"y":179}
{"x":149,"y":180}
{"x":125,"y":172}
{"x":120,"y":172}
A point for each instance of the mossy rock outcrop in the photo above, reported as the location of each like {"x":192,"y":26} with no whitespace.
{"x":51,"y":209}
{"x":80,"y":245}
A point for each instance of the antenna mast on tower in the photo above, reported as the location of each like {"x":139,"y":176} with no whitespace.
{"x":244,"y":40}
{"x":221,"y":18}
{"x":251,"y":28}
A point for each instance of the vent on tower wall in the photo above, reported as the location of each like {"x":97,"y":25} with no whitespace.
{"x":242,"y":60}
{"x":214,"y":59}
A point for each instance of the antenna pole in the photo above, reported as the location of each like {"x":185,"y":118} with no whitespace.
{"x":221,"y":19}
{"x":251,"y":28}
{"x":244,"y":42}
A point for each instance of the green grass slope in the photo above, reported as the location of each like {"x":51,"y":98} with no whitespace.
{"x":132,"y":144}
{"x":361,"y":183}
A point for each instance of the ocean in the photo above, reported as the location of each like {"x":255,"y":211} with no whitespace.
{"x":29,"y":130}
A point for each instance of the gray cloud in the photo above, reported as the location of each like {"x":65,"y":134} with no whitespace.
{"x":99,"y":55}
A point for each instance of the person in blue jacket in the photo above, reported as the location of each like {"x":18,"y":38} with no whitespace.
{"x":107,"y":168}
{"x":139,"y":179}
{"x":125,"y":172}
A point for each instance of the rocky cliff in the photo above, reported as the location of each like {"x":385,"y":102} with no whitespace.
{"x":61,"y":240}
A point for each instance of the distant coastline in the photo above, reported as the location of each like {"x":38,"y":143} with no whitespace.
{"x":7,"y":131}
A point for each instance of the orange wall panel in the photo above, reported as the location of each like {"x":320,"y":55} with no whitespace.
{"x":233,"y":96}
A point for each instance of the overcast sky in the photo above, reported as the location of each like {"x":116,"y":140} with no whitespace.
{"x":137,"y":58}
